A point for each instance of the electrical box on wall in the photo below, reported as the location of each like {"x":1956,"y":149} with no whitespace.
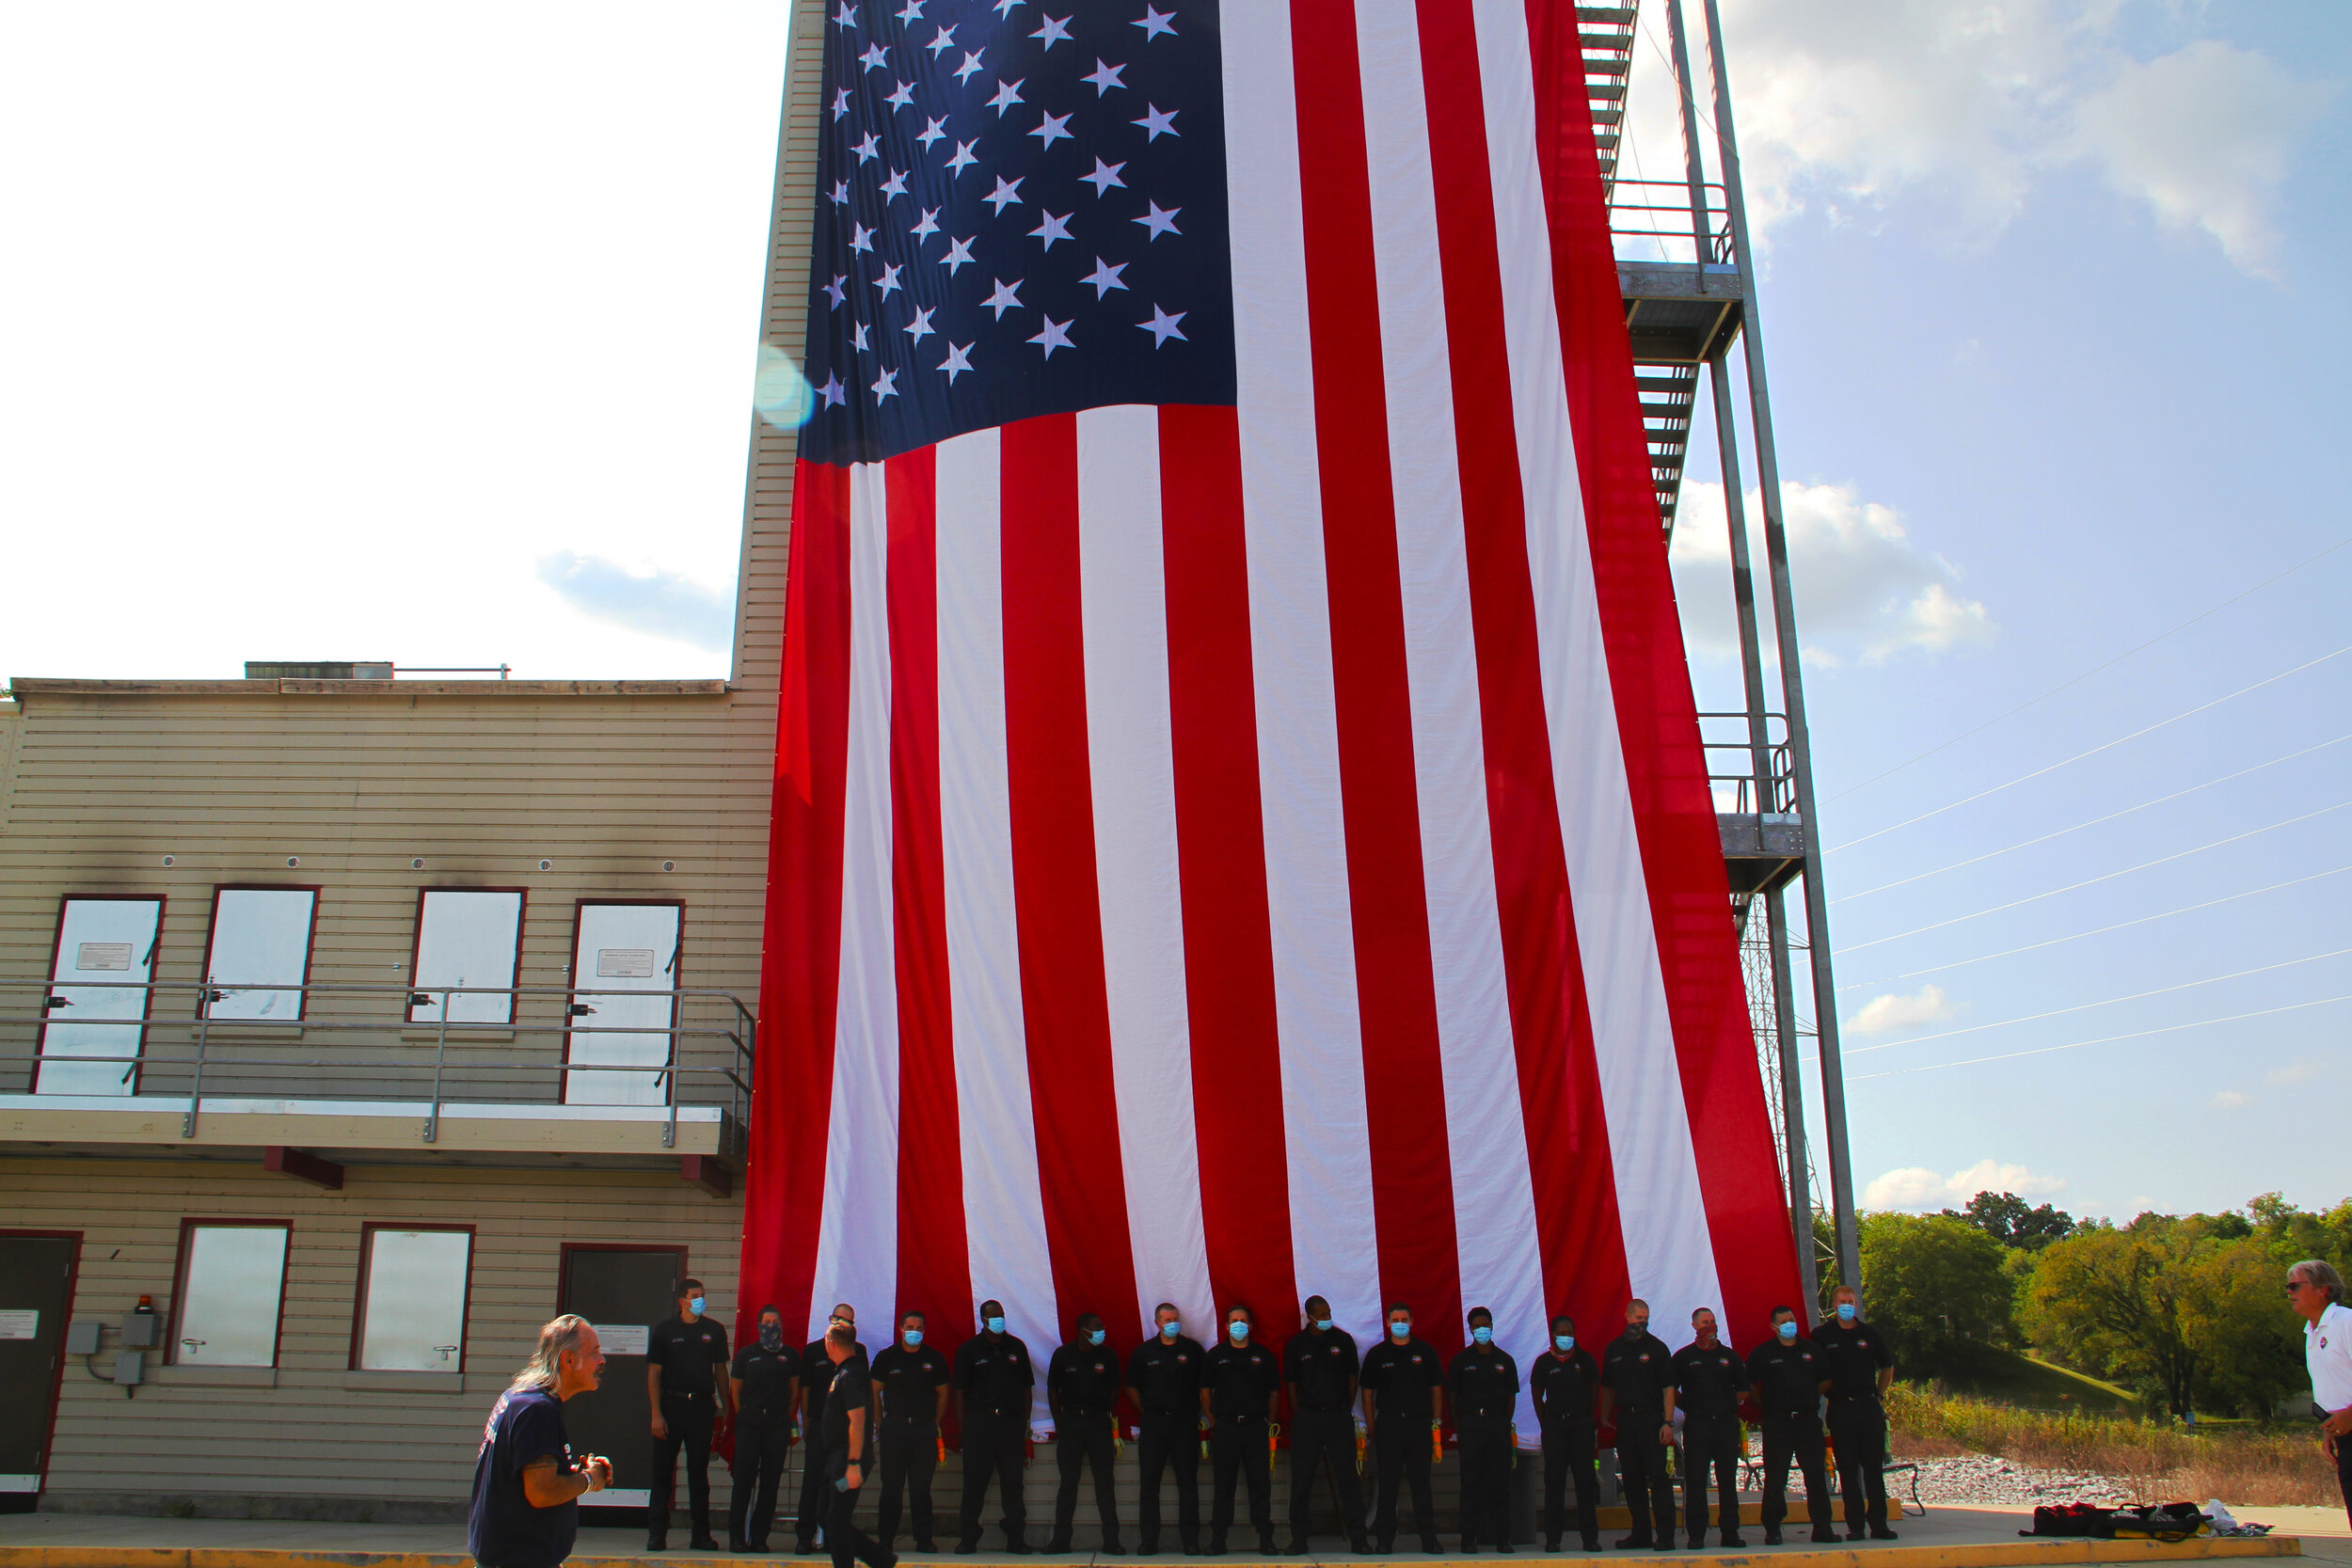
{"x":81,"y":1339}
{"x":130,"y":1368}
{"x":142,"y":1331}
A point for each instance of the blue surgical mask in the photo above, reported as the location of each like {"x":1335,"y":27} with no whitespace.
{"x":1169,"y":1329}
{"x":1845,"y":1311}
{"x":1564,"y":1341}
{"x":696,"y":1306}
{"x":1324,"y":1324}
{"x":1401,"y":1331}
{"x":1484,"y":1335}
{"x":1787,"y":1330}
{"x":914,"y":1337}
{"x":995,"y":1325}
{"x":1094,"y":1335}
{"x":1239,"y":1331}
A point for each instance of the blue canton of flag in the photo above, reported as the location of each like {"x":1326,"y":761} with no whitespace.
{"x":1018,"y":214}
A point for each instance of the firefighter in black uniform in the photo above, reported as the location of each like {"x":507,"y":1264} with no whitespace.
{"x":1789,"y":1379}
{"x":817,"y":1374}
{"x":1710,"y":1380}
{"x":1404,"y":1397}
{"x":1483,"y":1383}
{"x":1565,"y":1383}
{"x":1860,"y":1370}
{"x":1635,"y":1373}
{"x":1239,"y":1383}
{"x":992,"y":1379}
{"x":762,"y":1380}
{"x":690,"y":1403}
{"x":1082,"y":1385}
{"x":1164,"y":1383}
{"x":912,"y":1379}
{"x":1319,"y":1366}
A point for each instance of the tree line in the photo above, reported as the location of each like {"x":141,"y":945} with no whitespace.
{"x":2187,"y":1311}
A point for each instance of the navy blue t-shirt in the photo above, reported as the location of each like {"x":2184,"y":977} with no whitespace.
{"x":504,"y":1530}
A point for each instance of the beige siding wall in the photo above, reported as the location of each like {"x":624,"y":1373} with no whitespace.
{"x":314,"y":1436}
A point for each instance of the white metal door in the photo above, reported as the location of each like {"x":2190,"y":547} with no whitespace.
{"x":625,"y":967}
{"x":96,"y":1002}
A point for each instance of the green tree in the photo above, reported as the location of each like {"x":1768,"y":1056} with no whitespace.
{"x":1936,"y":1287}
{"x":2009,"y":1220}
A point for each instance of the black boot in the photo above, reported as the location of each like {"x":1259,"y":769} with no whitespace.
{"x":1771,"y":1535}
{"x":1880,"y":1532}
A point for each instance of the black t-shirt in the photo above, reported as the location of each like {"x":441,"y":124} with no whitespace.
{"x":994,"y":1373}
{"x":1788,"y":1376}
{"x":815,"y":1377}
{"x":503,"y":1529}
{"x":1483,"y":1385}
{"x":1853,"y":1356}
{"x":686,"y":1352}
{"x":1083,"y":1379}
{"x":1710,"y":1380}
{"x":1564,"y":1386}
{"x":849,"y":1389}
{"x":910,"y":1382}
{"x":1401,"y":1377}
{"x":1240,"y":1379}
{"x":1638,"y":1371}
{"x":1166,"y":1376}
{"x":1324,"y":1366}
{"x":767,"y":1378}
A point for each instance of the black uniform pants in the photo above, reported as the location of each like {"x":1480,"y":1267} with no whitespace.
{"x":1400,"y":1449}
{"x":1082,"y":1436}
{"x":1169,"y":1440}
{"x":1315,"y":1436}
{"x":910,"y":1456}
{"x":1794,"y":1434}
{"x":1568,"y":1451}
{"x":2344,"y":1463}
{"x":1485,"y":1483}
{"x":843,"y":1539}
{"x":1649,"y":1491}
{"x":1710,"y":1443}
{"x":689,"y":1418}
{"x":1237,"y":1448}
{"x":762,"y":1443}
{"x":993,"y":1447}
{"x":815,"y":1483}
{"x":1858,"y":1427}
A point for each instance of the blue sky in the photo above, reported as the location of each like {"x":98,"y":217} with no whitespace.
{"x":426,"y":335}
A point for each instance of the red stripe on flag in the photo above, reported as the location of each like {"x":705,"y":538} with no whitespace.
{"x":935,"y":1276}
{"x":801,"y":969}
{"x":1056,"y":899}
{"x":1673,"y":811}
{"x":1220,"y":832}
{"x":1412,"y":1182}
{"x":1568,"y":1140}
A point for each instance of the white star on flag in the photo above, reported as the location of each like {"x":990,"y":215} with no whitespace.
{"x":959,"y":255}
{"x":1051,"y":129}
{"x":1104,"y":276}
{"x":835,"y":290}
{"x":888,"y":282}
{"x":1053,"y":335}
{"x":1162,"y":327}
{"x":902,"y":97}
{"x":833,"y":393}
{"x":1052,"y":228}
{"x":1158,"y":125}
{"x":874,"y":60}
{"x":933,"y":132}
{"x":970,"y":67}
{"x":858,"y":340}
{"x":1006,"y":194}
{"x":868,"y":149}
{"x":841,"y":102}
{"x":914,"y":11}
{"x":963,"y":159}
{"x":844,"y":17}
{"x":1159,"y":222}
{"x":926,"y":225}
{"x":945,"y":40}
{"x":1104,"y":78}
{"x":861,"y":237}
{"x":957,"y":361}
{"x":885,"y":385}
{"x":1057,"y":31}
{"x":920,"y":327}
{"x":1104,"y":177}
{"x":1004,"y":298}
{"x":841,"y":193}
{"x":1155,"y":23}
{"x":895,"y":185}
{"x":1008,"y":94}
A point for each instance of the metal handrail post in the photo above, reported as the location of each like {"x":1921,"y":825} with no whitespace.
{"x":1792,"y":681}
{"x":1742,"y":582}
{"x":441,"y":1055}
{"x":204,"y":1032}
{"x":1696,"y":172}
{"x":1791,"y":1100}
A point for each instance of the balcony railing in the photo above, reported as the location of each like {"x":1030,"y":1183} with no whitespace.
{"x":1731,"y":763}
{"x":1650,"y":220}
{"x":382,"y":1046}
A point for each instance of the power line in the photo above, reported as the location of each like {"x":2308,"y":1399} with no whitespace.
{"x":2087,"y":1006}
{"x":2035,"y":898}
{"x":2104,"y":746}
{"x":2078,"y":936}
{"x":2088,"y":673}
{"x":2027,"y":844}
{"x":2104,"y":1039}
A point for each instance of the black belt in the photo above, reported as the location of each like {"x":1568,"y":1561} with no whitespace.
{"x":684,"y":1394}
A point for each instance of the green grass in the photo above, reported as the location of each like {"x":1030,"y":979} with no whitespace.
{"x":2010,"y":1378}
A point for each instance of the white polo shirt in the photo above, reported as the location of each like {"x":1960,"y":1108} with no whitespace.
{"x":2327,"y":1351}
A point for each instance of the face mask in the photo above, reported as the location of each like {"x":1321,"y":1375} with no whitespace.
{"x":1094,"y":1335}
{"x":1636,"y":1330}
{"x":695,"y":1306}
{"x":1564,"y":1341}
{"x":1401,"y":1331}
{"x":770,"y":1336}
{"x":995,"y":1325}
{"x":1239,"y":1331}
{"x":1169,"y":1329}
{"x":1324,"y":1324}
{"x":914,"y":1337}
{"x":1787,"y":1330}
{"x":1484,"y":1335}
{"x":1845,"y":1311}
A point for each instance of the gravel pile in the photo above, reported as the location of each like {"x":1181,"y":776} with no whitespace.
{"x":1977,"y":1478}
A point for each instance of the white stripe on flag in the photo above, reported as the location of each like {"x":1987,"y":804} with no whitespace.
{"x":1659,"y":1205}
{"x":1123,"y":590}
{"x":1333,"y":1246}
{"x":1494,"y":1192}
{"x":1004,"y":1213}
{"x":857,"y":1261}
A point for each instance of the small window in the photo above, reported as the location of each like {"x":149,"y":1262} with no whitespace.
{"x":97,"y":1003}
{"x":260,"y":951}
{"x":465,"y":936}
{"x":412,"y":1299}
{"x":232,"y":1290}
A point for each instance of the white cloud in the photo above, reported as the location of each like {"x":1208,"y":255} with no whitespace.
{"x":657,"y":603}
{"x":1891,"y":1013}
{"x":1864,"y":589}
{"x":1915,"y":1187}
{"x":2230,"y":1099}
{"x":2295,"y":1072}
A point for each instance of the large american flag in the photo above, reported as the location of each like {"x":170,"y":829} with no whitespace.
{"x":1240,"y":827}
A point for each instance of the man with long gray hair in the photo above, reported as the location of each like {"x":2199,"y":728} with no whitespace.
{"x":2316,"y":1291}
{"x":526,"y":1480}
